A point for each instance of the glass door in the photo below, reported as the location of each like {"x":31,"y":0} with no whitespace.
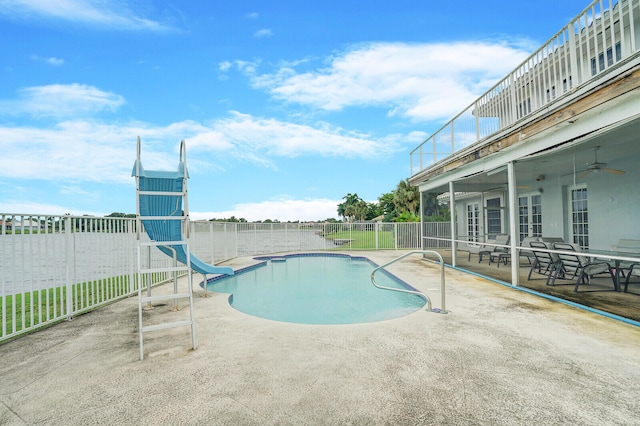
{"x":473,"y":221}
{"x":579,"y":215}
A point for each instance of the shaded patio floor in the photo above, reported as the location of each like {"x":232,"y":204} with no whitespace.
{"x":599,"y":295}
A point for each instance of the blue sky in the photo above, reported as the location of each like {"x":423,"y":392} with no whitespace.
{"x":285,"y":106}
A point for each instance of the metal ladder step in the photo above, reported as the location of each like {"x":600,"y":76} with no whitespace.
{"x":162,"y":243}
{"x":168,"y":269}
{"x":176,"y":193}
{"x":144,"y":299}
{"x":166,"y":325}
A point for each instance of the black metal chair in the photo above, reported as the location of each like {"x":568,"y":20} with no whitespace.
{"x":574,"y":265}
{"x":544,"y":263}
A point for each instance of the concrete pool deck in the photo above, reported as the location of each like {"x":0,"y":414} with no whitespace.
{"x":500,"y":356}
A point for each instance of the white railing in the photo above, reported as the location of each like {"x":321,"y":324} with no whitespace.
{"x":596,"y":42}
{"x":54,"y":267}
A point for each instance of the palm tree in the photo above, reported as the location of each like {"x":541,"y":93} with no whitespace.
{"x":349,"y":201}
{"x":406,"y":197}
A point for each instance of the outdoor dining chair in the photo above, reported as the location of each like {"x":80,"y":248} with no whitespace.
{"x":576,"y":266}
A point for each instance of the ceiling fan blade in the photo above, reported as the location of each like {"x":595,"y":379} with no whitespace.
{"x":584,"y":174}
{"x":614,"y":171}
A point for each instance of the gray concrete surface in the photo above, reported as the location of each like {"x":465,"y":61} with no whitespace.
{"x":498,"y":357}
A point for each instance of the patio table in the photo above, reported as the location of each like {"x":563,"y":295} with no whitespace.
{"x":617,"y":257}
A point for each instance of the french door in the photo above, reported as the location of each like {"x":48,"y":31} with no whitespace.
{"x":473,"y":221}
{"x":530,"y":215}
{"x":579,"y":215}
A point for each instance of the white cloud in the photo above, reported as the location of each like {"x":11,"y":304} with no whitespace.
{"x":265,"y":32}
{"x":284,"y":210}
{"x":110,"y":14}
{"x":89,"y":150}
{"x":54,"y":61}
{"x":249,"y":134}
{"x":51,"y":61}
{"x":61,"y":100}
{"x":33,"y":208}
{"x":419,"y":81}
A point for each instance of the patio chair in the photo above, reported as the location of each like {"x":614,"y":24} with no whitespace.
{"x":574,"y":265}
{"x":545,"y":263}
{"x":478,"y":249}
{"x":634,"y":271}
{"x":526,"y":242}
{"x":501,"y":254}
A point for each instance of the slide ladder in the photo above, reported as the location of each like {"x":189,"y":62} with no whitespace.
{"x":160,"y":196}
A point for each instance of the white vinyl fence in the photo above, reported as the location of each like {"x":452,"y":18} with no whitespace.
{"x":54,"y":267}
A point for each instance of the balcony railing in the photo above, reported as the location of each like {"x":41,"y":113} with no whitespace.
{"x":597,"y":41}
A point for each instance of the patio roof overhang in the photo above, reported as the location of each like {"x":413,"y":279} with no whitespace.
{"x":554,"y":146}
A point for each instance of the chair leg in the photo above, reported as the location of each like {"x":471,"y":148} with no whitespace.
{"x":626,"y":282}
{"x":580,"y":279}
{"x":535,"y":262}
{"x":613,"y":278}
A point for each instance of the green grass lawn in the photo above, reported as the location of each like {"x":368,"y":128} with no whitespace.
{"x":29,"y":309}
{"x":363,"y":240}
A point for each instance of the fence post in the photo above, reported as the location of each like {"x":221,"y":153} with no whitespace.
{"x":395,"y":235}
{"x":377,"y":224}
{"x":68,"y":262}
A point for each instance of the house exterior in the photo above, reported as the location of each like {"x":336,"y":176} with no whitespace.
{"x":28,"y":224}
{"x":553,"y":149}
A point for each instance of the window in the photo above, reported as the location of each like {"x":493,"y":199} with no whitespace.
{"x":610,"y":61}
{"x":494,"y":217}
{"x":524,"y":108}
{"x":579,"y":216}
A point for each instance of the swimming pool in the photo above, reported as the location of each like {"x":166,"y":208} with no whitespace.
{"x":316,"y":289}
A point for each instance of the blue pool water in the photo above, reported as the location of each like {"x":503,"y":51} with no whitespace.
{"x":316,"y":289}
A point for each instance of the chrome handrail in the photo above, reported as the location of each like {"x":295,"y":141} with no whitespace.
{"x":416,"y":292}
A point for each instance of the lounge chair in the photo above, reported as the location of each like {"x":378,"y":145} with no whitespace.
{"x":526,"y":242}
{"x":478,"y":249}
{"x":545,"y":263}
{"x":574,"y":265}
{"x":499,"y":253}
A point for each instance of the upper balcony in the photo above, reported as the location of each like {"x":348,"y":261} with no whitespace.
{"x":598,"y":44}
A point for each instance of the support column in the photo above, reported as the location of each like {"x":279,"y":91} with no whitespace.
{"x":513,"y":223}
{"x":452,"y":209}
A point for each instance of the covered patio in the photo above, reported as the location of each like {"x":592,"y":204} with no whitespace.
{"x":600,"y":295}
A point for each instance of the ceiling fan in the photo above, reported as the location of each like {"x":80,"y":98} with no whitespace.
{"x":597,"y":166}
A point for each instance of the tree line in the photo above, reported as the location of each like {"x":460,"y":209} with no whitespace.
{"x":400,"y":205}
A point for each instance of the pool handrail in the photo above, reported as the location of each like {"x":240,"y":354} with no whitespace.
{"x":416,"y":292}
